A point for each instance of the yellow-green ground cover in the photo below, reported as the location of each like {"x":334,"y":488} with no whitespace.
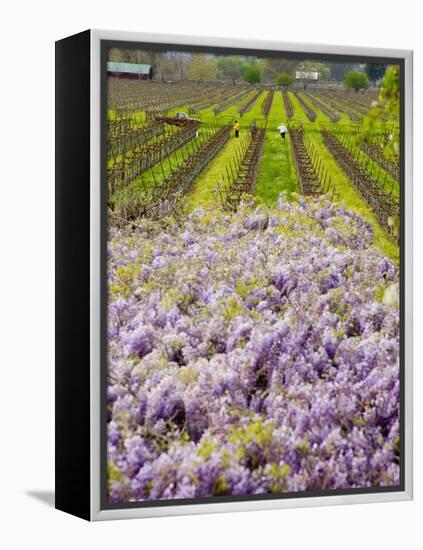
{"x":276,"y":172}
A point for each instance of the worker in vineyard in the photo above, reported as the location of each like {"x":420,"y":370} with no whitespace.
{"x":283,"y":130}
{"x":236,"y":128}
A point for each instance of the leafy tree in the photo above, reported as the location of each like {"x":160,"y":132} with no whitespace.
{"x":252,"y":72}
{"x":356,"y":81}
{"x":284,"y":79}
{"x":339,"y":70}
{"x":174,"y":65}
{"x":229,"y":67}
{"x":272,"y":66}
{"x":130,"y":55}
{"x":120,"y":55}
{"x":375,"y":71}
{"x":141,"y":56}
{"x":383,"y":118}
{"x":201,"y":67}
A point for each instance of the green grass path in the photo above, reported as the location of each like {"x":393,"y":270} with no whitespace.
{"x":202,"y":193}
{"x":276,"y":171}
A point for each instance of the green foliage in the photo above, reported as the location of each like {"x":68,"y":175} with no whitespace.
{"x":113,"y":472}
{"x":129,"y":55}
{"x":221,"y":487}
{"x":339,"y":70}
{"x":207,"y":448}
{"x":201,"y":67}
{"x":114,"y":476}
{"x":284,"y":79}
{"x":272,"y":66}
{"x":389,"y":95}
{"x":386,"y":109}
{"x":253,"y":444}
{"x":257,"y":431}
{"x":375,"y":71}
{"x":278,"y":474}
{"x":252,"y":72}
{"x":233,"y":308}
{"x":356,"y":80}
{"x":229,"y":67}
{"x":245,"y":288}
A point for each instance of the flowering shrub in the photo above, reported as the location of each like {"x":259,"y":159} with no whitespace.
{"x":252,"y":352}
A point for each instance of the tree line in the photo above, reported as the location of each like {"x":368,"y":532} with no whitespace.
{"x":198,"y":66}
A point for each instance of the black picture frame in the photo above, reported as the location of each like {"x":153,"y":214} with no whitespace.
{"x":77,"y":492}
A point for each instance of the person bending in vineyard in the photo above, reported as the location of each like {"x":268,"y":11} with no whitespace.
{"x":236,"y":128}
{"x":283,"y":130}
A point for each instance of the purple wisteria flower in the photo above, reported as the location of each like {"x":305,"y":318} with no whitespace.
{"x":253,"y":352}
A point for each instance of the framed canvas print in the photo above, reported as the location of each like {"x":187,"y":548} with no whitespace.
{"x":233,"y":275}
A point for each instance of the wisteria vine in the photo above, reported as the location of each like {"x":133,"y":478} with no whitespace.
{"x":251,"y":352}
